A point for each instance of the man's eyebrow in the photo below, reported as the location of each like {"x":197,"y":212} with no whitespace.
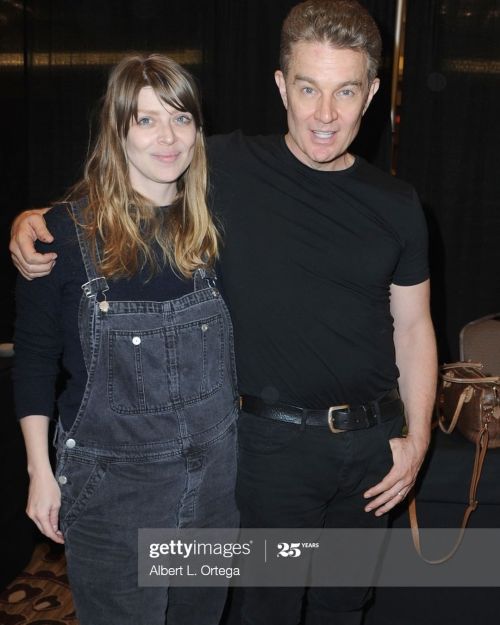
{"x":346,"y":83}
{"x":351,"y":83}
{"x":299,"y":77}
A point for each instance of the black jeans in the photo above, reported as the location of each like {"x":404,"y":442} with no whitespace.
{"x":305,"y":476}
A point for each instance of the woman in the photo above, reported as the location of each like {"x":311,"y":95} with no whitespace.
{"x":146,"y":429}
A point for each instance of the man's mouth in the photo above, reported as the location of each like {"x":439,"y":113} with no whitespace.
{"x":323,"y":134}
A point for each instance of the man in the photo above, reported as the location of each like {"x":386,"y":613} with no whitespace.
{"x":325,"y":273}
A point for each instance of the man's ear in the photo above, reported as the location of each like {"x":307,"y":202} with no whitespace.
{"x":280,"y":81}
{"x":372,"y":90}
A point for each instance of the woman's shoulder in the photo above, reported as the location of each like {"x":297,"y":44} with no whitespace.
{"x":60,"y":216}
{"x":61,"y":225}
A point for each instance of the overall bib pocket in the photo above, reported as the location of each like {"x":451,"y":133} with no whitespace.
{"x":155,"y":370}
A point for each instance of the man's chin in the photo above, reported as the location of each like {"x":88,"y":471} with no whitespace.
{"x":328,"y":160}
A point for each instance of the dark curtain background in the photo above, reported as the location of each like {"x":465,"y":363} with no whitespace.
{"x":55,"y":56}
{"x":449,"y":142}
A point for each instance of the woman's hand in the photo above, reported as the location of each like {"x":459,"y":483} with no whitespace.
{"x":44,"y":503}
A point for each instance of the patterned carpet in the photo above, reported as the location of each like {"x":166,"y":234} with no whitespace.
{"x":40,"y":594}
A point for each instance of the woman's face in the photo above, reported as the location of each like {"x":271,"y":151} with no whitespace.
{"x":159,"y":147}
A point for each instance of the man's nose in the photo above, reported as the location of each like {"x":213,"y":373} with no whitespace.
{"x":326,"y":111}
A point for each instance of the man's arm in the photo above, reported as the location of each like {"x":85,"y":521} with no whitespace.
{"x":417,"y":362}
{"x":26,"y":229}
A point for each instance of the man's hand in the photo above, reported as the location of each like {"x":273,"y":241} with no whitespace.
{"x":26,"y":229}
{"x":408,"y":455}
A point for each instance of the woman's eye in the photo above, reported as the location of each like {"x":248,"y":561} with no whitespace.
{"x":183,"y":119}
{"x":144,"y":121}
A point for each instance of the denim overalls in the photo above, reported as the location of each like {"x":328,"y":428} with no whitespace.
{"x":153,"y":445}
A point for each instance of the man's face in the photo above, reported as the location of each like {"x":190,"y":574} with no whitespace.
{"x":325,"y":93}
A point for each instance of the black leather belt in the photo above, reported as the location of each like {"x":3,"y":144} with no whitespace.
{"x":343,"y":418}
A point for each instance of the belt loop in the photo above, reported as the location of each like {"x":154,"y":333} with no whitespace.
{"x":303,"y":423}
{"x":375,"y":405}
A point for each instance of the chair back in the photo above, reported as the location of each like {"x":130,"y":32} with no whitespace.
{"x":480,"y":342}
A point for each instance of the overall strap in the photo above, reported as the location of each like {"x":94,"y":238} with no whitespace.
{"x":204,"y":278}
{"x":88,"y":321}
{"x":95,"y":284}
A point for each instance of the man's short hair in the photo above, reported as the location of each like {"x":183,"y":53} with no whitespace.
{"x":340,"y":23}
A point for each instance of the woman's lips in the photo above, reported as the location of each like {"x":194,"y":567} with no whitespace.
{"x":165,"y":158}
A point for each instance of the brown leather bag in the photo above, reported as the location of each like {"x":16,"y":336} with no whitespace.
{"x":469,"y":401}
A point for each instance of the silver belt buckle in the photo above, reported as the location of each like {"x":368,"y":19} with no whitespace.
{"x":331,"y":410}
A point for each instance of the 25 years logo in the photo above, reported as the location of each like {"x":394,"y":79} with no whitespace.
{"x":294,"y":550}
{"x":288,"y":550}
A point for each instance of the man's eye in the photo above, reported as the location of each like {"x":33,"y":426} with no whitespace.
{"x":346,"y":92}
{"x":307,"y":90}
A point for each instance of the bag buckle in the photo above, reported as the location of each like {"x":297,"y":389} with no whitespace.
{"x":331,"y":424}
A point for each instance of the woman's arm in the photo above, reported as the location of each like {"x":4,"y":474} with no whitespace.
{"x":44,"y":497}
{"x":39,"y":344}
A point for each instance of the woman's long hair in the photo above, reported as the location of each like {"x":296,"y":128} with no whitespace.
{"x":121,"y":219}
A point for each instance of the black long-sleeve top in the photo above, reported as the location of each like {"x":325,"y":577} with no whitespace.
{"x":46,"y":330}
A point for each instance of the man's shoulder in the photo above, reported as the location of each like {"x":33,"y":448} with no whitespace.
{"x":382,"y":181}
{"x":236,"y":144}
{"x":393,"y":201}
{"x":238,"y":137}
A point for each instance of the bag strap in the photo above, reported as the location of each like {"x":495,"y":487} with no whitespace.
{"x":465,"y":396}
{"x":470,"y":368}
{"x":481,"y":449}
{"x":479,"y":380}
{"x":461,"y":363}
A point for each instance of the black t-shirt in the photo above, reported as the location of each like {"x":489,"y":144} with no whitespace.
{"x":307,"y":263}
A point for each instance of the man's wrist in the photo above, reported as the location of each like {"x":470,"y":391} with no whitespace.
{"x":421,"y":440}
